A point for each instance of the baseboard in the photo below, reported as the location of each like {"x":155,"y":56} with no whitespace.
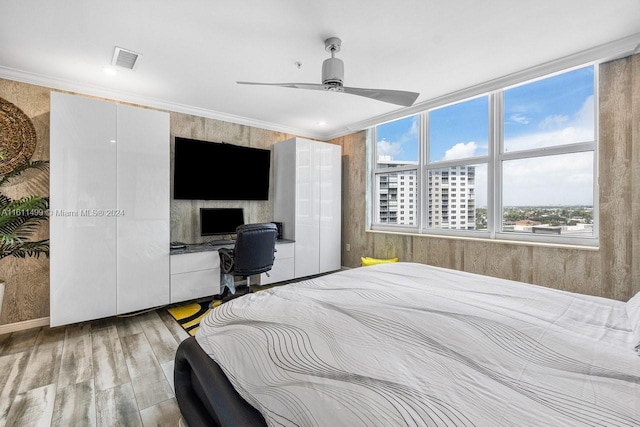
{"x":24,"y":325}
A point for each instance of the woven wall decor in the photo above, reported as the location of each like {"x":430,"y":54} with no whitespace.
{"x":17,"y":136}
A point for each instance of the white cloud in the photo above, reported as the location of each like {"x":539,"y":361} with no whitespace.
{"x":585,"y":116}
{"x":519,"y":118}
{"x":386,"y":148}
{"x":395,"y":148}
{"x":558,"y":130}
{"x":461,"y":151}
{"x":551,"y":122}
{"x":548,"y":181}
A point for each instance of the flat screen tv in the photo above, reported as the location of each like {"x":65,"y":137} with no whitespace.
{"x":220,"y":171}
{"x":220,"y":220}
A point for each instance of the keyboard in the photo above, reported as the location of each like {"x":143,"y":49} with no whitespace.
{"x":222,"y":242}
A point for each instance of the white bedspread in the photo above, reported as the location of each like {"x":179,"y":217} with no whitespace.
{"x":409,"y":344}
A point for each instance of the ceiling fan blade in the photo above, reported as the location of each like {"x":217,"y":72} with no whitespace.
{"x":311,"y":86}
{"x":398,"y":97}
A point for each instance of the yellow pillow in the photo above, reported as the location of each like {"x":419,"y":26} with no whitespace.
{"x":373,"y":261}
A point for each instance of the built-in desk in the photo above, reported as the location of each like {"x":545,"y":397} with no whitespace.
{"x":195,"y":269}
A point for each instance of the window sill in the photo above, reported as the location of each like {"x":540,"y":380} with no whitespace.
{"x":496,"y":241}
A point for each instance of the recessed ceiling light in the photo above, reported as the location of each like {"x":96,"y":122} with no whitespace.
{"x":322,"y":123}
{"x":110,"y":71}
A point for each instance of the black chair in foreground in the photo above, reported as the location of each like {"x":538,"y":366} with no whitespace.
{"x":253,"y":253}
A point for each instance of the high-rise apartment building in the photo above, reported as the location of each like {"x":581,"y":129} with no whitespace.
{"x":398,"y":193}
{"x":452,"y":198}
{"x":450,"y":192}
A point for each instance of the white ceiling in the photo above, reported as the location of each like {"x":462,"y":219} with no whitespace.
{"x":193,"y":51}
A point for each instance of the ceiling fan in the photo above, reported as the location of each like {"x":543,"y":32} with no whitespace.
{"x":332,"y":81}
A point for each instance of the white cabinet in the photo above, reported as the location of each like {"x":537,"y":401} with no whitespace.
{"x":109,"y":205}
{"x":194,"y":275}
{"x":82,"y":184}
{"x":143,"y":201}
{"x":283,"y":265}
{"x":308,"y":202}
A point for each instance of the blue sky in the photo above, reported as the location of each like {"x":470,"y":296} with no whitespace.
{"x":463,"y":127}
{"x":546,"y":104}
{"x":552,"y":111}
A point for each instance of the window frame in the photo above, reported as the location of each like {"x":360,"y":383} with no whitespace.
{"x":494,"y":160}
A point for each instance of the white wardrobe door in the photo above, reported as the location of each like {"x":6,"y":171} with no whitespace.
{"x":142,"y":209}
{"x":306,"y":210}
{"x":330,"y":169}
{"x":83,"y":188}
{"x":284,"y":190}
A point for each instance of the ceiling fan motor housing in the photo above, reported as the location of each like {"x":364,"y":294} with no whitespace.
{"x":332,"y":71}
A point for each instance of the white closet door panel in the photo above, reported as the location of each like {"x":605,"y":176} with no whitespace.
{"x":142,"y":209}
{"x":83,"y":269}
{"x":285,"y":186}
{"x":329,"y":161}
{"x":83,"y":189}
{"x":307,"y":227}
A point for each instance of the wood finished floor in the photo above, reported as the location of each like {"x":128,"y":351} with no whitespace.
{"x":109,"y":372}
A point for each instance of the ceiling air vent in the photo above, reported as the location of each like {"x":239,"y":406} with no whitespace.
{"x":124,"y":58}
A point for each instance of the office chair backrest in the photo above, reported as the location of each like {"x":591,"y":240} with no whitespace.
{"x":255,"y":248}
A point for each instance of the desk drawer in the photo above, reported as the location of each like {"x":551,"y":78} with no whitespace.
{"x":285,"y":250}
{"x":184,"y":263}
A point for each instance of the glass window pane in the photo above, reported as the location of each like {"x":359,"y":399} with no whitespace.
{"x":397,"y":143}
{"x":550,"y":195}
{"x":459,"y":131}
{"x":554,"y":111}
{"x":457,"y":198}
{"x":398,"y":198}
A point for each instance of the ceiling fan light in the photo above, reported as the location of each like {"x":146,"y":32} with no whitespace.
{"x":332,"y":71}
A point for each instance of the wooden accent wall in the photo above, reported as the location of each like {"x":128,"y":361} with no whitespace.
{"x":618,"y":82}
{"x":611,"y":271}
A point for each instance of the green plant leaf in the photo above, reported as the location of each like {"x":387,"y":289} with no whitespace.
{"x":38,"y":164}
{"x":24,"y":249}
{"x":20,"y":218}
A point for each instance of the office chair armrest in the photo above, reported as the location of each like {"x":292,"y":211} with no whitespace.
{"x":227,"y":259}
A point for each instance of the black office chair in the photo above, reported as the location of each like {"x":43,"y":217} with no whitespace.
{"x":253,"y":253}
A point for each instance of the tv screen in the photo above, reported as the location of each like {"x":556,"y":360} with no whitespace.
{"x":220,"y":171}
{"x":220,"y":220}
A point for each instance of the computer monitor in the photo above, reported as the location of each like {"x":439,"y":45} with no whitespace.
{"x":215,"y":221}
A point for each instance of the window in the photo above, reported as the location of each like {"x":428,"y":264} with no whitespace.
{"x":516,"y":163}
{"x":397,"y":150}
{"x":548,"y":160}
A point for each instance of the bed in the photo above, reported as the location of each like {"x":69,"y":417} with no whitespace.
{"x":409,"y":344}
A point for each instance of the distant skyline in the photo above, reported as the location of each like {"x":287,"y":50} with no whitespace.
{"x":553,"y":111}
